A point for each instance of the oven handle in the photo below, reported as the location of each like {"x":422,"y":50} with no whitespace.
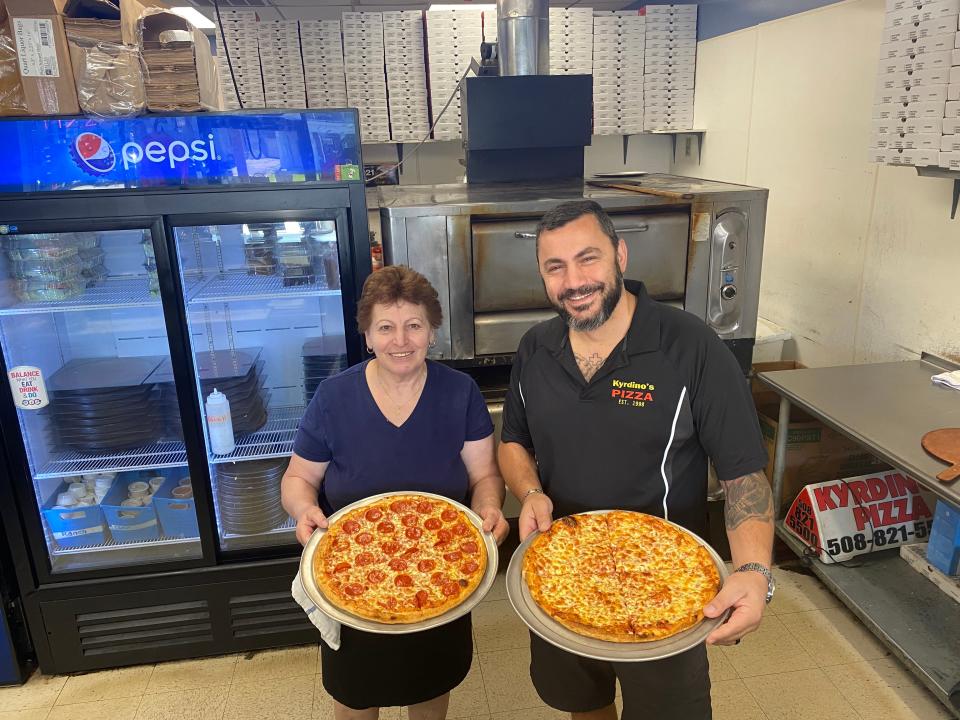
{"x":533,"y":236}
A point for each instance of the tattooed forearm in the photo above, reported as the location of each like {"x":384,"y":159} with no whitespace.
{"x":748,"y":498}
{"x":589,"y":364}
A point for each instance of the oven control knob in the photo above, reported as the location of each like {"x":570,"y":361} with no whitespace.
{"x":729,"y":292}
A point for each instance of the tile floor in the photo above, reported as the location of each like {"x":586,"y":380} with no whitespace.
{"x":810,"y":660}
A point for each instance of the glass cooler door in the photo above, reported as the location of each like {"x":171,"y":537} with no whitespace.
{"x":83,"y":336}
{"x":266,"y":325}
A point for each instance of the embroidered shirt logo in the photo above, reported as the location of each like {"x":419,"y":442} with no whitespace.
{"x":632,"y":393}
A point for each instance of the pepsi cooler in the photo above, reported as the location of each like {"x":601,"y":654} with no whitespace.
{"x":144,"y":264}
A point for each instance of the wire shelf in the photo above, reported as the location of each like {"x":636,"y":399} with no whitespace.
{"x":108,"y":294}
{"x":275,"y":439}
{"x":228,"y":287}
{"x":114,"y":545}
{"x":166,"y":454}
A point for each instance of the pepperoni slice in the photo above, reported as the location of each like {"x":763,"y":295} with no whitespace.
{"x":355,"y":589}
{"x":410,"y":552}
{"x":398,"y":564}
{"x":350,"y":527}
{"x":469,"y":567}
{"x":340,"y":567}
{"x":445,"y":536}
{"x":386,"y":528}
{"x":403,"y":581}
{"x":410,"y":520}
{"x":364,"y":538}
{"x":426,"y":565}
{"x":432,"y":524}
{"x":401,"y":506}
{"x":449,"y":515}
{"x":453,"y":556}
{"x":373,"y":514}
{"x":460,"y":529}
{"x":340,"y":544}
{"x":442,"y":546}
{"x":389,"y":603}
{"x":374,"y":577}
{"x":424,"y":507}
{"x":390,"y":547}
{"x":438,"y":578}
{"x":422,"y":598}
{"x":365,"y":558}
{"x":414,"y":533}
{"x":451,"y":588}
{"x":470,"y":548}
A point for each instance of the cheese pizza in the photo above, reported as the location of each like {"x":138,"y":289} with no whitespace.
{"x":620,"y":576}
{"x":400,"y":559}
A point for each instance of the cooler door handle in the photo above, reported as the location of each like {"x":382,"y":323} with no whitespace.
{"x":525,"y":236}
{"x":635,"y":228}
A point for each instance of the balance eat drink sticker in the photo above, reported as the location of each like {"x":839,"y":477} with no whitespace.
{"x":840,"y":519}
{"x":29,"y":390}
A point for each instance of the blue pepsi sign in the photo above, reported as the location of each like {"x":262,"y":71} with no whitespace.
{"x":179,"y":150}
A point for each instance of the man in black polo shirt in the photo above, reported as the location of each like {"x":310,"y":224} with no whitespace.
{"x":618,"y":403}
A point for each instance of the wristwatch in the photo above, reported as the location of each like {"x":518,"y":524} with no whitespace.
{"x":763,"y":570}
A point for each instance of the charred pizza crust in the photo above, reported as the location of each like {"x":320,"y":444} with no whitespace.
{"x":400,"y":559}
{"x":620,"y":576}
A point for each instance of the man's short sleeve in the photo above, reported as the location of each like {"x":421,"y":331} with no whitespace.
{"x":725,"y":416}
{"x":479,"y":424}
{"x":310,"y":442}
{"x":515,"y":427}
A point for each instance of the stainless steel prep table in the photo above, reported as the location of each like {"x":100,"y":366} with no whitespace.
{"x":887,"y":408}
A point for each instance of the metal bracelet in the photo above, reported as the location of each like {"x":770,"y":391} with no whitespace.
{"x":532,"y":491}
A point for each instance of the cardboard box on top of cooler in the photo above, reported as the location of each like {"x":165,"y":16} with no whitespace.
{"x":36,"y":77}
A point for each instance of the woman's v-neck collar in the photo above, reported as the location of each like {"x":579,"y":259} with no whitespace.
{"x":376,"y":408}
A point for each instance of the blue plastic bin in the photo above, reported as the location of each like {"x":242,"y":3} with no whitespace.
{"x":943,"y":546}
{"x":74,"y":527}
{"x":128,"y":524}
{"x":178,"y":518}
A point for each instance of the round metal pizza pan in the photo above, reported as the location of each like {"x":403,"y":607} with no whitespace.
{"x":556,"y":634}
{"x":359,"y":623}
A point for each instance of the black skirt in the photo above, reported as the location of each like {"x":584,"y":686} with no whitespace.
{"x":371,"y":670}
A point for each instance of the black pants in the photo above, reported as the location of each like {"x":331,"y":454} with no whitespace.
{"x":371,"y":670}
{"x":675,"y":688}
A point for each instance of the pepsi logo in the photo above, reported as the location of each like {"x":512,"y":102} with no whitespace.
{"x":94,"y":154}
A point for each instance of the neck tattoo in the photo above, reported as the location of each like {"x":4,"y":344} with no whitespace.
{"x":589,"y":364}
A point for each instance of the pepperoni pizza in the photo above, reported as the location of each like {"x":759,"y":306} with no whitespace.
{"x":620,"y":576}
{"x":400,"y":559}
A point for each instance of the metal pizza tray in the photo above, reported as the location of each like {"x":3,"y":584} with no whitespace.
{"x":359,"y":623}
{"x":556,"y":634}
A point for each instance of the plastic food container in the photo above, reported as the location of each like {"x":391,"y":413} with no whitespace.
{"x":38,"y":290}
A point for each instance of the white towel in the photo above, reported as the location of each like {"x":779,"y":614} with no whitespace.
{"x":949,"y":379}
{"x":328,"y":627}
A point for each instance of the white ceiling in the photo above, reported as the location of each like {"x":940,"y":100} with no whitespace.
{"x":331,"y":9}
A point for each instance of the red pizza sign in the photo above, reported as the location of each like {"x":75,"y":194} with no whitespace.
{"x":853,"y":516}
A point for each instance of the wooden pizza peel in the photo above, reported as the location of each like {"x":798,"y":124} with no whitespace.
{"x":944,"y":444}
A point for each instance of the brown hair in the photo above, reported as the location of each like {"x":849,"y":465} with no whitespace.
{"x":394,"y":284}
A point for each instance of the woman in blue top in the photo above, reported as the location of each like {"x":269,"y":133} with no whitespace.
{"x":395,"y":422}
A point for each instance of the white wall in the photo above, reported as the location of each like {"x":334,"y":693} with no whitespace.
{"x":860,"y":260}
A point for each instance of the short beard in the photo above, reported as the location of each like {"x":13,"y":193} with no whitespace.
{"x":608,"y":302}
